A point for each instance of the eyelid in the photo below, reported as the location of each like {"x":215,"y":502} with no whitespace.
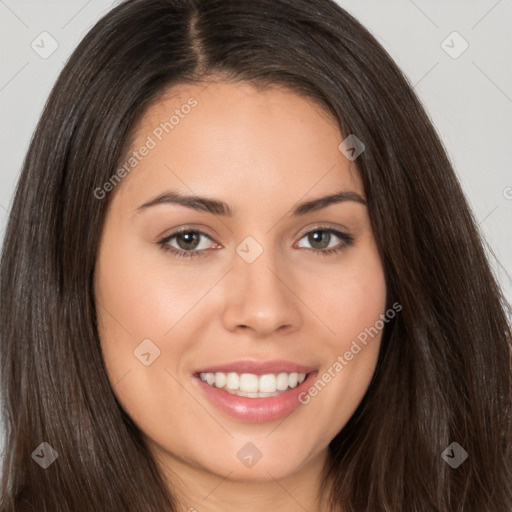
{"x":164,"y":240}
{"x":323,"y":226}
{"x":185,"y":228}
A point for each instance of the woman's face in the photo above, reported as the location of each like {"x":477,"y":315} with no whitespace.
{"x":249,"y":305}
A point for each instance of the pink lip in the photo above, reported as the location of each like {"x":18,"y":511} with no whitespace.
{"x":256,"y":410}
{"x":257,"y":367}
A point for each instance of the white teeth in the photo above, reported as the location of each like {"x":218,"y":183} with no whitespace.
{"x":249,"y":383}
{"x":251,"y":395}
{"x":267,"y":383}
{"x":253,"y":386}
{"x":220,"y":380}
{"x":282,"y":381}
{"x":232,"y":381}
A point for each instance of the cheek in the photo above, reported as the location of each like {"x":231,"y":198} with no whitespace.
{"x":351,"y":305}
{"x":130,"y":302}
{"x":140,"y":297}
{"x":351,"y":299}
{"x":137,"y":302}
{"x":138,"y":294}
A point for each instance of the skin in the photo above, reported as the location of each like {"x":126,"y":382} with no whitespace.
{"x":262,"y":151}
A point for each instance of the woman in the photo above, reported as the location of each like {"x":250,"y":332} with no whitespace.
{"x":240,"y":274}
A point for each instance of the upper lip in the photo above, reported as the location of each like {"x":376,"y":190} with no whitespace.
{"x":257,"y":367}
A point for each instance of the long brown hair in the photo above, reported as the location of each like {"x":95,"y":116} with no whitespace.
{"x":444,"y":369}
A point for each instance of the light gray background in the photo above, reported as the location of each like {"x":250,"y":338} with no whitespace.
{"x":469,"y":98}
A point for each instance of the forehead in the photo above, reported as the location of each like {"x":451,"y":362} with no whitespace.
{"x":239,"y":140}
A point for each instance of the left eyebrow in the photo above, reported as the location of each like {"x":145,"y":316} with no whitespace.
{"x":218,"y":207}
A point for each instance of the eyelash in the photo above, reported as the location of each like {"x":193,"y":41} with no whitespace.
{"x":348,"y":240}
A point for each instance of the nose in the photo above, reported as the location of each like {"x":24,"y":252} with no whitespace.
{"x":261,"y":298}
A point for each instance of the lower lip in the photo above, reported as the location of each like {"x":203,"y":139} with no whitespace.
{"x":256,"y":410}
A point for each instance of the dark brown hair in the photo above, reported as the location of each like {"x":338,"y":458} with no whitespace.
{"x":444,"y":369}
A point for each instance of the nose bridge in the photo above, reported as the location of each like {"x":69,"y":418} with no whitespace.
{"x":260,"y":298}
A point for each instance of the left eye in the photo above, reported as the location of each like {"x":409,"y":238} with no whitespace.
{"x":189,"y":242}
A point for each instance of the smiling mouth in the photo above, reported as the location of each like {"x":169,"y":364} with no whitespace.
{"x":251,"y":385}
